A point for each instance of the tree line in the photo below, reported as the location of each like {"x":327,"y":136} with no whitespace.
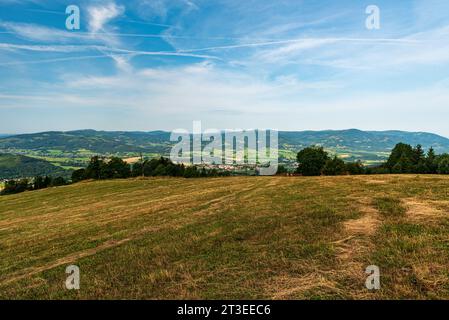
{"x":20,"y":185}
{"x":100,"y":168}
{"x":312,"y":161}
{"x":115,"y":168}
{"x":315,"y":161}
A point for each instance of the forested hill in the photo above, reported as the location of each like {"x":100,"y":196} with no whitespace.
{"x":101,"y":142}
{"x":350,"y":144}
{"x":355,"y":141}
{"x":18,"y":166}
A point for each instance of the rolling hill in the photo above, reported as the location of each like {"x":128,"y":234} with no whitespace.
{"x":99,"y":142}
{"x":353,"y":144}
{"x":18,"y":166}
{"x":72,"y":149}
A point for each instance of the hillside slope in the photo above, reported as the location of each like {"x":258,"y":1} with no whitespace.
{"x":75,"y":147}
{"x":101,"y":142}
{"x":229,"y":238}
{"x":18,"y":166}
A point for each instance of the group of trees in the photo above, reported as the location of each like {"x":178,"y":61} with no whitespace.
{"x":116,"y":168}
{"x":100,"y":168}
{"x":314,"y":161}
{"x":20,"y":185}
{"x":406,"y":159}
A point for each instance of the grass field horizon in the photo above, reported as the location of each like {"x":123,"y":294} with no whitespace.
{"x":229,"y":238}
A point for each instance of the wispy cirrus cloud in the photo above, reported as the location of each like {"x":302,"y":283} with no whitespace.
{"x":120,"y":56}
{"x":40,"y":33}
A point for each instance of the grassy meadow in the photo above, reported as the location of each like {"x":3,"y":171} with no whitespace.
{"x":229,"y":238}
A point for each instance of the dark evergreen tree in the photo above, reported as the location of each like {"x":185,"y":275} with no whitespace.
{"x":431,"y":161}
{"x":418,"y":155}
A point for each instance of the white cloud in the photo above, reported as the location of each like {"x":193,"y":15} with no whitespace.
{"x":99,"y":16}
{"x":195,"y":89}
{"x":231,"y":99}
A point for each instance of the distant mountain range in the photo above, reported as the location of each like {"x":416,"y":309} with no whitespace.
{"x":124,"y":142}
{"x":72,"y":149}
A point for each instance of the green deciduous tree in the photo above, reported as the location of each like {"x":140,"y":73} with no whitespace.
{"x":355,"y":167}
{"x":93,"y":170}
{"x":78,"y":175}
{"x":443,"y":164}
{"x":311,"y":161}
{"x":334,"y":167}
{"x":401,"y":158}
{"x":58,"y":181}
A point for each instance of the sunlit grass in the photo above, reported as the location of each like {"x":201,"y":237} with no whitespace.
{"x":236,"y":238}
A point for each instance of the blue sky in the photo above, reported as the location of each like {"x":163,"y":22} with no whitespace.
{"x":161,"y":64}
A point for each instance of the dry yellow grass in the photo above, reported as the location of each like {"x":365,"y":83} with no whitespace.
{"x":236,"y":237}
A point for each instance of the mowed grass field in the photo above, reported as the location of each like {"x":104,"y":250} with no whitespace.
{"x":229,"y":238}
